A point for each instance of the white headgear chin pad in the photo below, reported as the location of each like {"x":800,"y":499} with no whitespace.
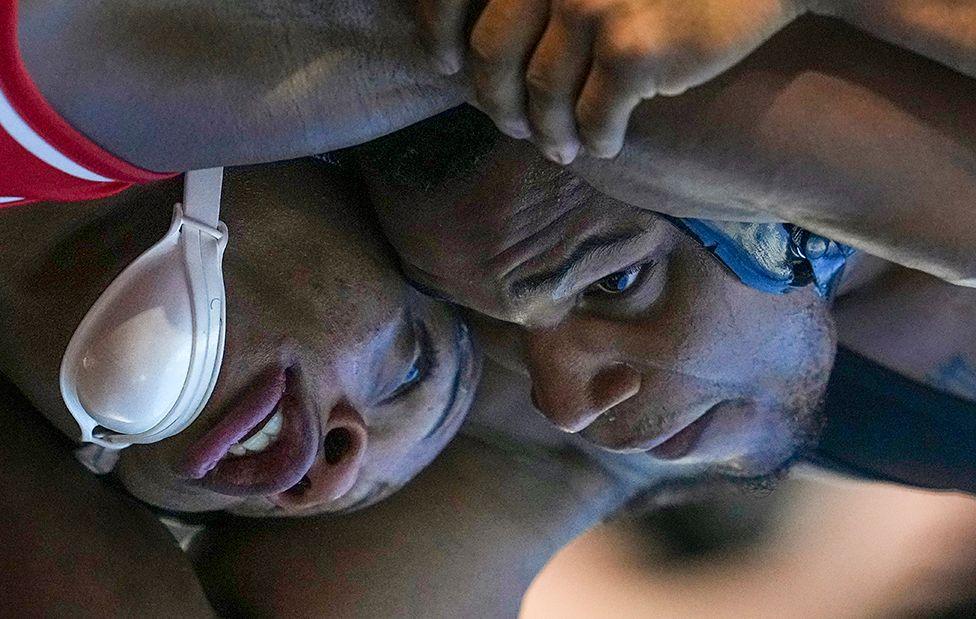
{"x":144,"y":361}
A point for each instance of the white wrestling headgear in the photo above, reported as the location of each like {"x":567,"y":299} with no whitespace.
{"x":144,"y":360}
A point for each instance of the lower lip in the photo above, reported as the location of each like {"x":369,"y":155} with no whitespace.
{"x":274,"y":470}
{"x":682,"y":443}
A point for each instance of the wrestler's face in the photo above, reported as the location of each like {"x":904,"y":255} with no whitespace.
{"x":633,"y":335}
{"x":339,"y":381}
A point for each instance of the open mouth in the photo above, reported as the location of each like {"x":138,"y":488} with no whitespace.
{"x":263,"y":445}
{"x":682,"y":442}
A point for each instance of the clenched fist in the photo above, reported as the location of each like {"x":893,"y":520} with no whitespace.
{"x":568,"y":73}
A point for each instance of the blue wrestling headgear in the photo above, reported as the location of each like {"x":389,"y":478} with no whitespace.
{"x":773,"y":257}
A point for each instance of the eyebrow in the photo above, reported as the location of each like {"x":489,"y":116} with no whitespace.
{"x":556,"y":280}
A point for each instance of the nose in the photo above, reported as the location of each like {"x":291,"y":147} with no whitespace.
{"x":573,"y":386}
{"x":337,"y":465}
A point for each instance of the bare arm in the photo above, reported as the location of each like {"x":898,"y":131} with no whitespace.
{"x":847,"y":136}
{"x":70,"y":545}
{"x":464,"y":539}
{"x":570,"y":72}
{"x":915,"y":325}
{"x":178,"y":84}
{"x":845,"y":549}
{"x":943,"y":30}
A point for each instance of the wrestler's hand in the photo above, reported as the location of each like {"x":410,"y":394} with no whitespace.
{"x":569,"y":72}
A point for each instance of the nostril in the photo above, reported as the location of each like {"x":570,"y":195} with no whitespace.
{"x":336,"y":445}
{"x":338,"y":463}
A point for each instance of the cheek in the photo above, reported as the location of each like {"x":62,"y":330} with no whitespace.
{"x":501,"y":341}
{"x":680,"y":326}
{"x":396,"y":455}
{"x":757,"y":336}
{"x":146,"y":473}
{"x":788,"y":342}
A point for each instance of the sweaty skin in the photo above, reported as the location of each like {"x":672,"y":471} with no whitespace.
{"x":313,"y":295}
{"x":765,"y":141}
{"x":633,"y":334}
{"x":465,"y":539}
{"x":176,"y":85}
{"x":474,"y":529}
{"x":825,"y":128}
{"x":569,"y":73}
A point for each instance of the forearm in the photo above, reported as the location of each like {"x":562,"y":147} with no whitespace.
{"x":464,"y":539}
{"x":177,"y":84}
{"x":943,"y":30}
{"x":826,"y":129}
{"x":866,"y":172}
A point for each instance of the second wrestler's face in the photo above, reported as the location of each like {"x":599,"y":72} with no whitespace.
{"x":339,"y":382}
{"x":633,"y":334}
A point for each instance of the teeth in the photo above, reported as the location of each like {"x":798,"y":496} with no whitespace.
{"x":260,"y":441}
{"x":273,"y":427}
{"x":257,"y":442}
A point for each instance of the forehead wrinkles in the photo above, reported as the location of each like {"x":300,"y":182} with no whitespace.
{"x":473,"y":252}
{"x":592,"y":247}
{"x":540,"y":224}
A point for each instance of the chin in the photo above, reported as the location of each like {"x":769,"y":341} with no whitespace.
{"x":187,"y":502}
{"x":154,"y":487}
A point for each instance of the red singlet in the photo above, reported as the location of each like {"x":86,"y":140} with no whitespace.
{"x":41,"y":156}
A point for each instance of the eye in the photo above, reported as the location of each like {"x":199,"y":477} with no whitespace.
{"x":418,"y":370}
{"x":619,"y":282}
{"x":412,"y":376}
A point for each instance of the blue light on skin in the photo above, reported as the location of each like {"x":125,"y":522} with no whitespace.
{"x":957,"y":375}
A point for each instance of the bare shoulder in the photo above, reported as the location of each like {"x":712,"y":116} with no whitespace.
{"x":463,"y":539}
{"x":56,"y":514}
{"x":915,"y":324}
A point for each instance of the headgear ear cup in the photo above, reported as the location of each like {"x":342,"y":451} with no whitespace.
{"x":144,"y":360}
